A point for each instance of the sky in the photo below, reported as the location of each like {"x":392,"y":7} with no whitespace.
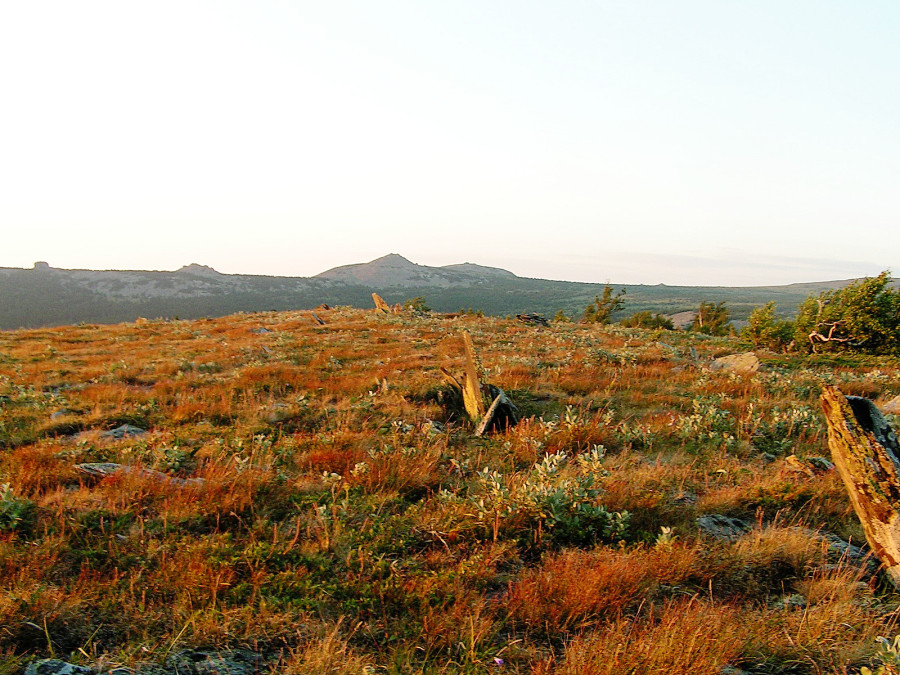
{"x":694,"y":142}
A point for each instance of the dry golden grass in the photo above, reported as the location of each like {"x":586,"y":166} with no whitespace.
{"x":343,"y":522}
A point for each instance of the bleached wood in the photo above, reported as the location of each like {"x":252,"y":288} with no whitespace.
{"x":473,"y":398}
{"x":867,"y":457}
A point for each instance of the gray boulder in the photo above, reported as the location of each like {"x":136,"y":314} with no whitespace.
{"x":720,"y":526}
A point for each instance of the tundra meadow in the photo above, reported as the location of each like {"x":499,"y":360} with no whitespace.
{"x":314,"y":495}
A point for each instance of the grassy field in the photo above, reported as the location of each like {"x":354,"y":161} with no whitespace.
{"x":348,"y":520}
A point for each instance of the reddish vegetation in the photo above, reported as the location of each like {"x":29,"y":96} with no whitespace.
{"x":348,"y":520}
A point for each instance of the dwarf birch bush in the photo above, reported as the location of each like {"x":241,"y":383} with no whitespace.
{"x":548,"y":503}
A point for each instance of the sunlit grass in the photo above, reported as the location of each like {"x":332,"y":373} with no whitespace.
{"x":342,"y":516}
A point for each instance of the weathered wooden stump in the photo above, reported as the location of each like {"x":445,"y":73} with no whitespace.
{"x":502,"y":412}
{"x":380,"y":304}
{"x":867,"y":456}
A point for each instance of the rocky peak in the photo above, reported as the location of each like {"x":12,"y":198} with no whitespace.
{"x":195,"y":268}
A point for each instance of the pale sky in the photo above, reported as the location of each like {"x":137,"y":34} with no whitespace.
{"x":717,"y":142}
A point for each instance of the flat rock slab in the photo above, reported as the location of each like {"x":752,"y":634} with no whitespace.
{"x":747,"y":362}
{"x":719,"y":526}
{"x":202,"y":662}
{"x":123,"y":431}
{"x":105,"y":469}
{"x":186,"y":662}
{"x":56,"y":667}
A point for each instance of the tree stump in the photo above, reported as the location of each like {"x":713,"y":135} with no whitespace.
{"x":867,"y":456}
{"x":501,"y":414}
{"x":380,"y":304}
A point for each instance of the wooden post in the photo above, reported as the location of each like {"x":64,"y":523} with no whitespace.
{"x":867,"y":456}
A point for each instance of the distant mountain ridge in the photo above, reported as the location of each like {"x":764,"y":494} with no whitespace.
{"x":47,"y":296}
{"x":394,"y":270}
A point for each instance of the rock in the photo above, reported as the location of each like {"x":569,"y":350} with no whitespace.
{"x":682,"y":320}
{"x":433,"y":427}
{"x":185,"y":662}
{"x":794,"y":463}
{"x":892,"y":407}
{"x":502,"y":414}
{"x":738,"y":363}
{"x":820,"y":463}
{"x":105,"y":469}
{"x":533,"y":319}
{"x":56,"y":667}
{"x":720,"y":526}
{"x":731,"y":670}
{"x":262,"y":330}
{"x":123,"y":431}
{"x":846,"y":552}
{"x":203,"y":662}
{"x":683,"y":497}
{"x":60,"y":413}
{"x":843,"y":553}
{"x":669,"y":348}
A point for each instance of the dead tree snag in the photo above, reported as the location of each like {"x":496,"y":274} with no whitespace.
{"x":501,"y":413}
{"x":867,"y":456}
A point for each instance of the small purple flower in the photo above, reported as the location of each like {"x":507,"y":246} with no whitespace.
{"x":498,"y":661}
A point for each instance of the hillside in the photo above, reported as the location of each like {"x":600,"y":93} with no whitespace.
{"x":295,"y":497}
{"x":46,"y":296}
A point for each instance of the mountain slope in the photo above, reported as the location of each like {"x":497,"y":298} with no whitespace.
{"x":45,"y":296}
{"x":394,"y":270}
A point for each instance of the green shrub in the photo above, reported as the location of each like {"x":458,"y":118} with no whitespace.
{"x":602,"y":309}
{"x":862,"y":317}
{"x":648,"y":320}
{"x":14,"y":511}
{"x":765,"y":330}
{"x":712,"y":319}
